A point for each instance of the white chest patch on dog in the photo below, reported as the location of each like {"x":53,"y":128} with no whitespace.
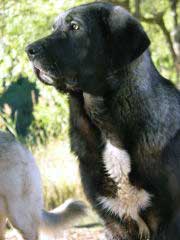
{"x":129,"y":200}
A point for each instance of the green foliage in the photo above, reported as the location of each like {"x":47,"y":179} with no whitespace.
{"x":6,"y":123}
{"x":50,"y":118}
{"x":159,"y":47}
{"x":22,"y":22}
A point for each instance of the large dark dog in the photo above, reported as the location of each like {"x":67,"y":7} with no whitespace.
{"x":124,"y":119}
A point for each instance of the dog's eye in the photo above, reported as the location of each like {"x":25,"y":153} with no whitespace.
{"x":74,"y":26}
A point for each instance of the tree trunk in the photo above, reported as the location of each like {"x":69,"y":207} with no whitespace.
{"x":173,"y":4}
{"x":137,"y":8}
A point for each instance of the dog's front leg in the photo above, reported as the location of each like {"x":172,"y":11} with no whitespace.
{"x":87,"y":144}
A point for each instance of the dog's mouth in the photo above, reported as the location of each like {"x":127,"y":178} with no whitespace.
{"x":69,"y":84}
{"x":44,"y":76}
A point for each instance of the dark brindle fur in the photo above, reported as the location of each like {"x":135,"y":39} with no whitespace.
{"x":98,"y":53}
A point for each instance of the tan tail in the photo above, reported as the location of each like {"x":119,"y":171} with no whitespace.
{"x":61,"y":217}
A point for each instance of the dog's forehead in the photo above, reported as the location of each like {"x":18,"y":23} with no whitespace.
{"x":67,"y":16}
{"x":59,"y":20}
{"x":82,"y":11}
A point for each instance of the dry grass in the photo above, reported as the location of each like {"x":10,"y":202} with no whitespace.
{"x":59,"y":172}
{"x":60,"y":176}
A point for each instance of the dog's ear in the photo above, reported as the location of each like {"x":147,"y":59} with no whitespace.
{"x":127,"y":39}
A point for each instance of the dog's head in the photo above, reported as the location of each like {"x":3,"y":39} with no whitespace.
{"x":87,"y":43}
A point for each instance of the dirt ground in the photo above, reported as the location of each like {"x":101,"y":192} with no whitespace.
{"x":83,"y":234}
{"x":71,"y":234}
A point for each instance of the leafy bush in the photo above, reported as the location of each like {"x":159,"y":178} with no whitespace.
{"x":50,"y":118}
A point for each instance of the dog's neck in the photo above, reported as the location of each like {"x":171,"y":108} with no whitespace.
{"x":140,"y":72}
{"x":135,"y":95}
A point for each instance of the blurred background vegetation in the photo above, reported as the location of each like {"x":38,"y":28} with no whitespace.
{"x":37,"y":114}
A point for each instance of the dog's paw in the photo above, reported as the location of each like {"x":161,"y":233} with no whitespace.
{"x":143,"y":230}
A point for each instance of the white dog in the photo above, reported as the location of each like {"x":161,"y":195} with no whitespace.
{"x":21,"y":198}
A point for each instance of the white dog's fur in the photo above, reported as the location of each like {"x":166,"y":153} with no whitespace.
{"x":21,"y":198}
{"x":129,"y":200}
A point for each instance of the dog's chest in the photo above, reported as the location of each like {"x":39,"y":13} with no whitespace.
{"x":128,"y":200}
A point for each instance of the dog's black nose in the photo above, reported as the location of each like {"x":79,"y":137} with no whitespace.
{"x":33,"y":50}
